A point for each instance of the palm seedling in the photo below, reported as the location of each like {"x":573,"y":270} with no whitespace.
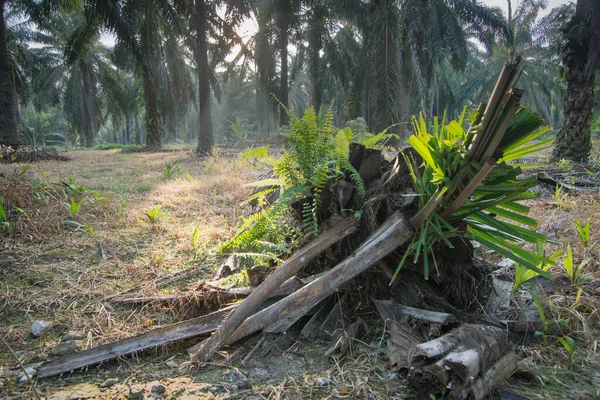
{"x":73,"y":207}
{"x":154,"y":214}
{"x":4,"y":224}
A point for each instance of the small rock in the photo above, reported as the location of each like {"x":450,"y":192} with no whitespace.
{"x":172,"y":364}
{"x":260,"y":374}
{"x":232,"y":387}
{"x":159,"y":389}
{"x":139,"y":395}
{"x":244,"y":384}
{"x":64,"y":349}
{"x":108,"y":383}
{"x":71,"y":336}
{"x":24,"y":355}
{"x":39,"y":327}
{"x":23,"y":379}
{"x":506,"y":263}
{"x":322,"y":382}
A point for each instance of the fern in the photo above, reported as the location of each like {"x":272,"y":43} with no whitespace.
{"x":316,"y":155}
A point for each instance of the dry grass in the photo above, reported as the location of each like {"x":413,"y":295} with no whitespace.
{"x":50,"y":272}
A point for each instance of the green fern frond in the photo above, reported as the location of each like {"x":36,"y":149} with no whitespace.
{"x":379,"y":141}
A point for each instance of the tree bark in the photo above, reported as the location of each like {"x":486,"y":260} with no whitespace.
{"x":262,"y":80}
{"x":88,"y":123}
{"x":283,"y":26}
{"x":574,"y":139}
{"x":9,"y":136}
{"x":205,"y":129}
{"x":149,"y":46}
{"x":317,"y":22}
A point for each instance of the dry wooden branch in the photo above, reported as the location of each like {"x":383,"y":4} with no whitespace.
{"x":392,"y":234}
{"x":272,"y":283}
{"x":156,"y":337}
{"x":390,"y":309}
{"x":160,"y":336}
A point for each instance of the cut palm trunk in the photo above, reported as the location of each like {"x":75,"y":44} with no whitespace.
{"x":467,"y":360}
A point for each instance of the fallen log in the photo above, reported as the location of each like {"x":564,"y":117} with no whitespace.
{"x":450,"y":365}
{"x":495,"y":375}
{"x":272,"y":283}
{"x":394,"y":232}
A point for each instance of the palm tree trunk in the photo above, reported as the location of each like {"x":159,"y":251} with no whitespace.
{"x":138,"y":134}
{"x":574,"y":139}
{"x":262,"y":80}
{"x":9,"y":135}
{"x":88,"y":118}
{"x":149,"y":45}
{"x":317,"y":22}
{"x":205,"y":129}
{"x":282,"y":24}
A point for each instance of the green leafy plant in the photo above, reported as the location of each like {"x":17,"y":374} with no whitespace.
{"x":80,"y":227}
{"x":73,"y":188}
{"x":237,"y":130}
{"x":583,"y":231}
{"x":467,"y":180}
{"x":154,"y":214}
{"x":196,"y":238}
{"x":560,"y":198}
{"x":171,"y":169}
{"x":565,"y":165}
{"x":73,"y":207}
{"x":523,"y":274}
{"x":97,"y":198}
{"x":570,"y":346}
{"x":576,"y":274}
{"x":4,"y":223}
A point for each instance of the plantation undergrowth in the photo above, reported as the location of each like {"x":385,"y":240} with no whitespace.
{"x":136,"y":224}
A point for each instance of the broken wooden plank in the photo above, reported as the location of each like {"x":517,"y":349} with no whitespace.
{"x":289,"y":268}
{"x":156,"y":337}
{"x":392,"y":234}
{"x":389,"y":309}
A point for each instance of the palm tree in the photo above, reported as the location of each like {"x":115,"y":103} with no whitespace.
{"x":149,"y":43}
{"x":206,"y":22}
{"x":404,"y":43}
{"x":582,"y":59}
{"x":535,"y":40}
{"x":8,"y":122}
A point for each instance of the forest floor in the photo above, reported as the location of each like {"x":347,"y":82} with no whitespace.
{"x":51,"y":272}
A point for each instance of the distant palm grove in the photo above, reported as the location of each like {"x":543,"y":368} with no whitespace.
{"x":88,"y":72}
